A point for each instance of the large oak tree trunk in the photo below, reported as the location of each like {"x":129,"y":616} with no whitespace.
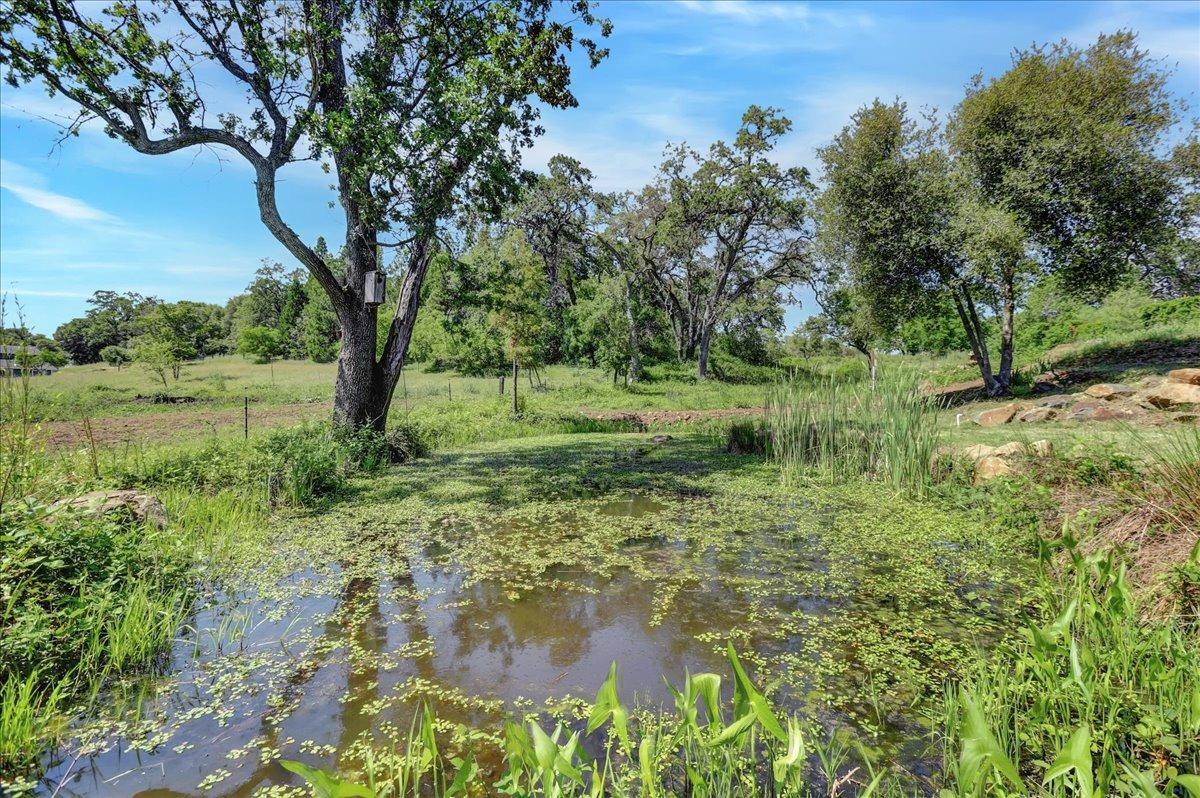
{"x":702,"y":349}
{"x":635,"y":344}
{"x":360,"y":397}
{"x":365,"y":386}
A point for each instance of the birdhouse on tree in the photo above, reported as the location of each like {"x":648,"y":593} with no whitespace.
{"x":375,"y":288}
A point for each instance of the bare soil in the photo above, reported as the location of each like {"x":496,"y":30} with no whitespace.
{"x":187,"y":422}
{"x":648,"y":418}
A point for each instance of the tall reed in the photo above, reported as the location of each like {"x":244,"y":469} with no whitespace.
{"x":836,"y":430}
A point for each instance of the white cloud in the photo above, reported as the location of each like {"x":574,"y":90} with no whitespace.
{"x":27,"y":185}
{"x":20,"y":292}
{"x":759,"y":12}
{"x":1167,"y":31}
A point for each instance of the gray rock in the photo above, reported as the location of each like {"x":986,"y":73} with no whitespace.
{"x":140,"y":506}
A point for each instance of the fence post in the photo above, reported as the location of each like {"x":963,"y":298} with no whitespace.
{"x":246,"y":417}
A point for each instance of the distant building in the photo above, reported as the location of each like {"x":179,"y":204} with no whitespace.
{"x":11,"y":359}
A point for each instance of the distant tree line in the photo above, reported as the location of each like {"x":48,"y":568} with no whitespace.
{"x":281,"y":314}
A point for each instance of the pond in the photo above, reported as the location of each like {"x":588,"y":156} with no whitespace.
{"x":491,"y":583}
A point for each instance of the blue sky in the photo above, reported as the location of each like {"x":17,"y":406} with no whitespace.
{"x":92,"y":214}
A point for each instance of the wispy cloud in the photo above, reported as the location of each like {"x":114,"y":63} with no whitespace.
{"x":761,"y":12}
{"x":28,"y":186}
{"x":17,"y":291}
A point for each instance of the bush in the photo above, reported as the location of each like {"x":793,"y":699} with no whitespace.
{"x":727,"y":368}
{"x":296,"y":467}
{"x":746,"y":437}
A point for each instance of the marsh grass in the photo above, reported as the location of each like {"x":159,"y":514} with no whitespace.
{"x":87,"y":599}
{"x":842,"y":431}
{"x":1094,"y":699}
{"x":29,"y":715}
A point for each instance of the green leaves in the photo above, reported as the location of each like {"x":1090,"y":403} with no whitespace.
{"x":981,"y":753}
{"x":608,"y":706}
{"x":325,"y":785}
{"x":747,"y":699}
{"x":1075,"y":756}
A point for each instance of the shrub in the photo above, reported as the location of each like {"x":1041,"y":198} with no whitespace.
{"x":746,"y":437}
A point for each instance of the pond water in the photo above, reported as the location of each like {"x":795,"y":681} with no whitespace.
{"x":338,"y":657}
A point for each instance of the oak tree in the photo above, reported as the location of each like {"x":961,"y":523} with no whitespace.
{"x":417,"y":109}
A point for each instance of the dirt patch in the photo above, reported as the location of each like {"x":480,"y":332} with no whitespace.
{"x":649,"y":418}
{"x":169,"y":425}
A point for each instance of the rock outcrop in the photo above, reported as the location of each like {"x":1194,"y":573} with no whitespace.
{"x":1109,"y":391}
{"x":134,"y":504}
{"x":1172,"y":394}
{"x":1007,"y":460}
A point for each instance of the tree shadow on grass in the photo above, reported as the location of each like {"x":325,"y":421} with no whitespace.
{"x":560,"y":467}
{"x":1159,"y":353}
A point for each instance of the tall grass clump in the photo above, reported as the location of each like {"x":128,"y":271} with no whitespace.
{"x":1096,"y":698}
{"x":838,"y":430}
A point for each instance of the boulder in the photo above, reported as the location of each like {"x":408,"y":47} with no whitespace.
{"x":1042,"y":448}
{"x":991,"y":467}
{"x":1150,"y":381}
{"x":1173,"y":394}
{"x":1009,"y":449}
{"x":1188,"y":376}
{"x":978,"y":451}
{"x":1109,"y":391}
{"x":1036,"y":414}
{"x":1057,"y":402}
{"x":140,"y":506}
{"x":1100,"y":410}
{"x":997,"y":415}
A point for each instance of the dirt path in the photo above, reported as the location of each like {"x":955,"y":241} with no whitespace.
{"x":648,"y":418}
{"x":188,"y":422}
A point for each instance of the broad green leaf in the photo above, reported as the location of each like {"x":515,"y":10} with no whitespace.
{"x":608,"y":705}
{"x":466,"y":772}
{"x":795,"y":753}
{"x":747,"y":695}
{"x":980,"y":746}
{"x":325,"y":785}
{"x":1076,"y":755}
{"x":734,"y":729}
{"x":646,"y":765}
{"x":1189,"y":783}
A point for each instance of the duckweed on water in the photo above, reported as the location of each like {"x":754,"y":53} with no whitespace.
{"x":506,"y":578}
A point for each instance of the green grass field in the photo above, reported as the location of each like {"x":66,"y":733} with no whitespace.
{"x":223,"y":381}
